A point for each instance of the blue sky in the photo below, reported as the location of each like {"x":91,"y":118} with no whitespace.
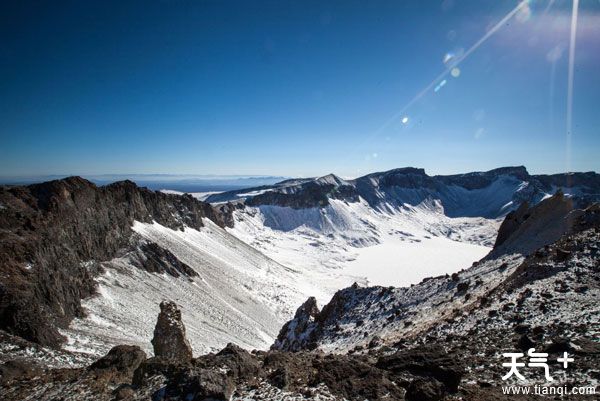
{"x":295,"y":88}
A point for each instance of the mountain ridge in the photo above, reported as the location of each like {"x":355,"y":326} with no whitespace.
{"x":410,"y":185}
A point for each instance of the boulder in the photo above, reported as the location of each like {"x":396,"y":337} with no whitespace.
{"x":525,"y":343}
{"x":238,"y":361}
{"x":18,"y":369}
{"x":425,"y":390}
{"x":120,"y":363}
{"x":201,"y":385}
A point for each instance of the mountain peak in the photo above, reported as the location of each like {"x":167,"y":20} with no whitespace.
{"x":331,"y":179}
{"x":398,"y":171}
{"x":517,"y":171}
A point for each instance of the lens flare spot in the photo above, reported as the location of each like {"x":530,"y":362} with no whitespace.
{"x":524,"y":13}
{"x":440,"y":86}
{"x":455,"y":72}
{"x":404,"y":120}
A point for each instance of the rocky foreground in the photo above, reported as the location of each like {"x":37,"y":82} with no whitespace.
{"x":440,"y":340}
{"x":172,"y":374}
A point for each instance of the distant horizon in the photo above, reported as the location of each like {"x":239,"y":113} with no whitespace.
{"x":164,"y":178}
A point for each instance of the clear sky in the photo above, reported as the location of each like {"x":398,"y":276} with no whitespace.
{"x":295,"y":88}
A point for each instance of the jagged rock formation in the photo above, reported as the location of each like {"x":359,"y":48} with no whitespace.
{"x":55,"y":234}
{"x":156,"y":259}
{"x":511,"y":223}
{"x":297,"y":333}
{"x":432,"y":361}
{"x":108,"y":378}
{"x":314,"y":193}
{"x":169,"y":339}
{"x":234,"y":373}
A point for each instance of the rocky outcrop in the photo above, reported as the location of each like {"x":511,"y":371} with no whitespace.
{"x":155,"y":259}
{"x":309,"y":327}
{"x":169,"y":339}
{"x":300,"y":332}
{"x":54,"y":235}
{"x":511,"y":223}
{"x":18,"y":369}
{"x":358,"y":319}
{"x":529,"y":228}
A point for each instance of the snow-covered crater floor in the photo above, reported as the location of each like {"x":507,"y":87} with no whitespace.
{"x":346,"y":241}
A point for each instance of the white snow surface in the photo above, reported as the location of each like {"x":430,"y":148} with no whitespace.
{"x":398,"y":247}
{"x":240,"y":295}
{"x":253,"y":277}
{"x":201,"y":196}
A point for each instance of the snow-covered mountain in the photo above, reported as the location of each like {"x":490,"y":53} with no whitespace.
{"x":83,"y":267}
{"x":489,"y":194}
{"x":393,"y":227}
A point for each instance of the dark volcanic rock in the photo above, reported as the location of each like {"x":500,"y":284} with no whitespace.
{"x":280,"y":378}
{"x":524,"y":343}
{"x":299,"y":333}
{"x":53,"y":236}
{"x":562,"y":255}
{"x":169,"y":340}
{"x":156,"y":259}
{"x":226,"y":212}
{"x":354,"y":378}
{"x":528,"y":229}
{"x":239,"y":361}
{"x":425,"y":390}
{"x":427,"y":361}
{"x":511,"y":222}
{"x":413,"y":186}
{"x":120,"y":362}
{"x":155,"y":366}
{"x":200,"y":385}
{"x":18,"y":368}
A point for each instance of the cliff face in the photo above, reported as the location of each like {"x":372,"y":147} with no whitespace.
{"x":54,"y":235}
{"x":529,"y":228}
